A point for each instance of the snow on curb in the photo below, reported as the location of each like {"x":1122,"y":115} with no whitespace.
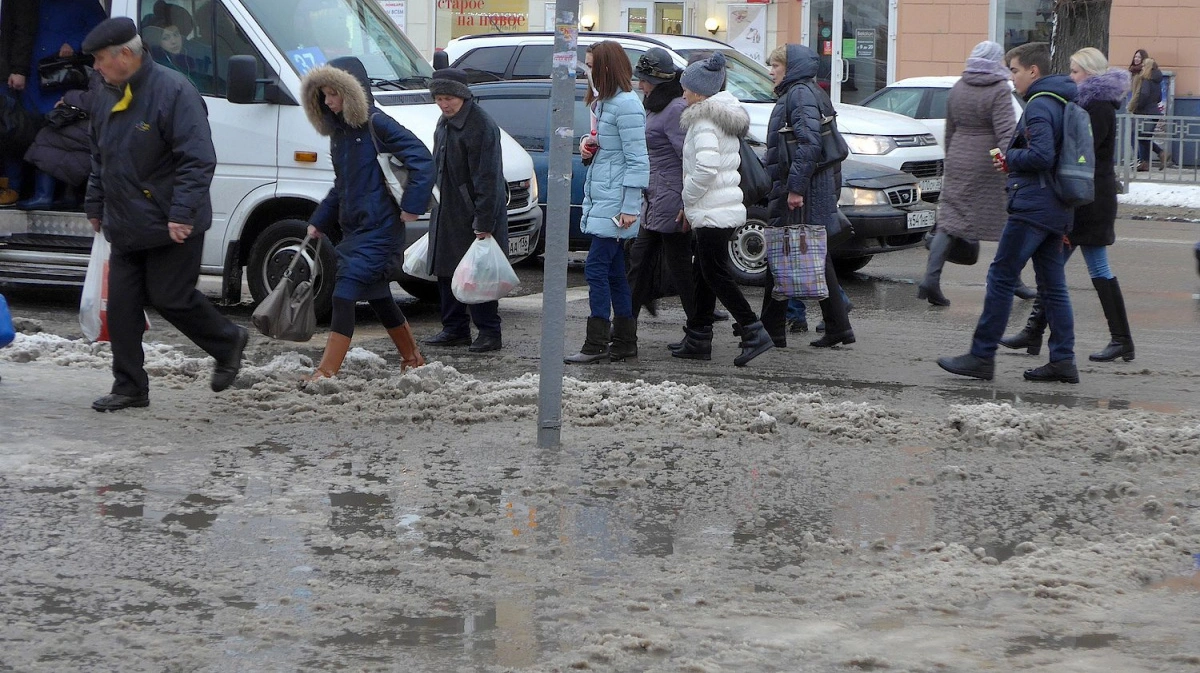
{"x":1167,"y":195}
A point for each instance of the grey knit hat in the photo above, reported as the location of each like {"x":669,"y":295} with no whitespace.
{"x":450,"y":82}
{"x":705,"y":77}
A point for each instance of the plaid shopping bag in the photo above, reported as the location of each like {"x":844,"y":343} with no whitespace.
{"x":796,"y":255}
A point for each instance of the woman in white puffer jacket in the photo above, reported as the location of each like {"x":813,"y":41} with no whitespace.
{"x":712,"y":203}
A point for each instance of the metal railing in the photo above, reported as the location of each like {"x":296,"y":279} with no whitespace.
{"x":1170,"y":144}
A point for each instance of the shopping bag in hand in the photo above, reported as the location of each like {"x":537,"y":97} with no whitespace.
{"x":287,"y":313}
{"x":484,"y":273}
{"x":416,"y":259}
{"x":93,"y":303}
{"x":796,"y":255}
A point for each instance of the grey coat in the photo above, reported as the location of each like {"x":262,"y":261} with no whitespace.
{"x":664,"y":144}
{"x":979,"y":116}
{"x":470,"y":178}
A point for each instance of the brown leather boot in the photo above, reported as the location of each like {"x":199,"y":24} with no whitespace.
{"x":410,"y":355}
{"x":331,"y":360}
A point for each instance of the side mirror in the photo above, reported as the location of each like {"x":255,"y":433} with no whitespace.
{"x":242,"y":82}
{"x":441,"y":60}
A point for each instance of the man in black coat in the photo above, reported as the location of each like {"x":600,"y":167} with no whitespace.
{"x":152,"y":165}
{"x":473,"y":205}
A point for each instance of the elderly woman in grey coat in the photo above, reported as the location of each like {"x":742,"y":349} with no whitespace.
{"x":973,"y":204}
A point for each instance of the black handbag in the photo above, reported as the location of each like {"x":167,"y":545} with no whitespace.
{"x":64,"y":115}
{"x":834,"y":149}
{"x":57,"y":73}
{"x":961,"y":251}
{"x":755,"y":180}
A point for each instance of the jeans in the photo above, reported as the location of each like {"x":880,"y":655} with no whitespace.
{"x":608,"y":287}
{"x":1096,"y":258}
{"x":1019,"y":243}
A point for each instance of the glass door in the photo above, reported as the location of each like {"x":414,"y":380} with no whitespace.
{"x":852,"y":40}
{"x":669,"y":18}
{"x":638,"y":16}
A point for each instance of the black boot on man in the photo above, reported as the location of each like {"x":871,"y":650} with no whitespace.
{"x":1113,"y":304}
{"x":1060,"y":371}
{"x":755,"y":342}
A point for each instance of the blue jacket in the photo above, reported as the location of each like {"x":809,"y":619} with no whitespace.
{"x":621,"y":169}
{"x":819,"y":188}
{"x":360,"y":204}
{"x":1031,"y":157}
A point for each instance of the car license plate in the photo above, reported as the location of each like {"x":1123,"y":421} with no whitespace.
{"x":931,"y":185}
{"x":921,"y":219}
{"x":519,"y":245}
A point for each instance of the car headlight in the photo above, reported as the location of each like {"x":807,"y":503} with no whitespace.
{"x":875,"y":145}
{"x":854,"y":196}
{"x":533,"y":190}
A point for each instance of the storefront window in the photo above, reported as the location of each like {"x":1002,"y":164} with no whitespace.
{"x":1022,"y":21}
{"x":456,"y":18}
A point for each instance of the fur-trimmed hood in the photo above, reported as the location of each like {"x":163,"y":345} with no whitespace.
{"x":723,"y":110}
{"x":348,"y":77}
{"x":1111,"y":86}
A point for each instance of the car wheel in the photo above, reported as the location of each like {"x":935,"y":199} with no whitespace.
{"x":850,"y":264}
{"x":274,"y":250}
{"x":748,"y":248}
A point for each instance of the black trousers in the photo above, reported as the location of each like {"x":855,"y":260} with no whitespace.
{"x":833,"y":308}
{"x":713,"y":280}
{"x":164,"y":278}
{"x":653,"y":250}
{"x":457,"y":316}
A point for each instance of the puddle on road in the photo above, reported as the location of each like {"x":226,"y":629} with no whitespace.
{"x":1066,"y":400}
{"x":1031,"y":644}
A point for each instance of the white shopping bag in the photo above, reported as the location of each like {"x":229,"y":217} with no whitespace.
{"x":93,"y":303}
{"x":484,"y":273}
{"x":415,"y":259}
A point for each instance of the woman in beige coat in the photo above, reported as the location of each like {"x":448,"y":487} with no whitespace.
{"x":973,"y":205}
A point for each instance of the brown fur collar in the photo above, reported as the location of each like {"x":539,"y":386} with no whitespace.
{"x":355,"y":107}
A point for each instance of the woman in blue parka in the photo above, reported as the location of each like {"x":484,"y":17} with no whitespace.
{"x":337,"y":99}
{"x":612,"y":202}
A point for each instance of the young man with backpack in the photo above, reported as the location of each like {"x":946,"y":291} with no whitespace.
{"x":1039,"y":216}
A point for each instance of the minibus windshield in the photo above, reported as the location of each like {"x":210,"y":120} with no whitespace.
{"x":313,"y":32}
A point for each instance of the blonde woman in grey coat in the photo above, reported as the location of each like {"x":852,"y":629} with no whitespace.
{"x":973,"y":204}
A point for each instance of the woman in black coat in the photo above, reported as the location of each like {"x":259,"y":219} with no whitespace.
{"x":473,"y":205}
{"x":1101,"y":91}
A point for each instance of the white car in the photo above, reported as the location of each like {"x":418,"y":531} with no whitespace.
{"x":924,"y":99}
{"x":877,"y":137}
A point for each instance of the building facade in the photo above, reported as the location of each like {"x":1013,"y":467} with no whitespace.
{"x":880,"y":40}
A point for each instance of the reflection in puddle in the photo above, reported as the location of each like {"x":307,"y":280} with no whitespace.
{"x":1058,"y":399}
{"x":416,"y":631}
{"x":1088,"y":641}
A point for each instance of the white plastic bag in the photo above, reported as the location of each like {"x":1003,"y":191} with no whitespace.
{"x":415,"y":259}
{"x":484,"y":273}
{"x":93,"y":303}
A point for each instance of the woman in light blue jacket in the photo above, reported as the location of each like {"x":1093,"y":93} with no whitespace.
{"x":612,"y":200}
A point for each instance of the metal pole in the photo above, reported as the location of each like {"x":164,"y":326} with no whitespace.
{"x":558,"y":218}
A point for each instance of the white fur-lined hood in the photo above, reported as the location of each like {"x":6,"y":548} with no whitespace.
{"x":355,"y":104}
{"x":723,"y":110}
